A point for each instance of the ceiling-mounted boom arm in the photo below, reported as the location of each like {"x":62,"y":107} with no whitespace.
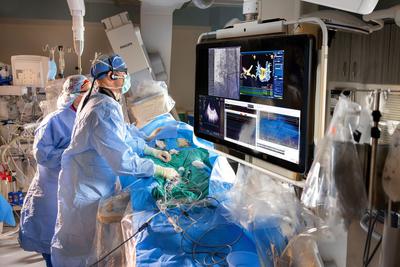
{"x":393,"y":12}
{"x":356,"y":6}
{"x":77,"y":9}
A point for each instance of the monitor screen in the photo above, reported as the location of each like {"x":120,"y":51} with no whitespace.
{"x":254,"y":95}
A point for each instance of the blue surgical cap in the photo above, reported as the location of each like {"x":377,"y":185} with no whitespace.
{"x":102,"y":65}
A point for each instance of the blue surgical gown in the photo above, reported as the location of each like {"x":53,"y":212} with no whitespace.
{"x":102,"y":148}
{"x":39,"y":212}
{"x":6,"y":212}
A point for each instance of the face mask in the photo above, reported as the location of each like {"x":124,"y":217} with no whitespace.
{"x":127,"y":84}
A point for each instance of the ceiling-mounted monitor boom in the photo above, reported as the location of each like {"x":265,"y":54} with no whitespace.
{"x":356,"y":6}
{"x":77,"y":9}
{"x":379,"y":15}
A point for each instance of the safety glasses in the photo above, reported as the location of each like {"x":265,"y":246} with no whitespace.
{"x":120,"y":76}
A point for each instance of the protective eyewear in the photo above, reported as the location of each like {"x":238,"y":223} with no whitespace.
{"x":120,"y":76}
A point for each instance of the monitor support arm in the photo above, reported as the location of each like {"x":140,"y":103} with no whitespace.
{"x":379,"y":15}
{"x":156,"y":27}
{"x":77,"y":9}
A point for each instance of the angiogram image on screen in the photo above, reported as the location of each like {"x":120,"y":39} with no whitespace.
{"x":241,"y":128}
{"x":223,"y":72}
{"x":211,"y":115}
{"x":262,"y":74}
{"x":280,"y":129}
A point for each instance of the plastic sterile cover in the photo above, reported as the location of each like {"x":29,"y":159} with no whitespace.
{"x":391,"y":171}
{"x":148,"y":100}
{"x":110,"y":233}
{"x":334,"y":189}
{"x":52,"y":90}
{"x":268,"y":210}
{"x":302,"y":251}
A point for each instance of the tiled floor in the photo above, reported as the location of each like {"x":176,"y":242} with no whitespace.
{"x":11,"y":255}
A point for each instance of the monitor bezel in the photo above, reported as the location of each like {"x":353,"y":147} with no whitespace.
{"x":307,"y":44}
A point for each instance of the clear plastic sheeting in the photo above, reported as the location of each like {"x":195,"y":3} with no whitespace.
{"x":268,"y":210}
{"x":31,"y":112}
{"x":148,"y":100}
{"x":302,"y":251}
{"x":334,"y":189}
{"x":110,"y":234}
{"x":127,"y":233}
{"x":226,"y":179}
{"x":391,"y":171}
{"x":52,"y":90}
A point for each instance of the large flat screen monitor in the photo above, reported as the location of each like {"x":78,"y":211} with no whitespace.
{"x":255,"y":95}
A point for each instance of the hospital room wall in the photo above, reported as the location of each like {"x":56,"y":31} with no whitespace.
{"x":183,"y":60}
{"x":189,"y":23}
{"x":26,"y":36}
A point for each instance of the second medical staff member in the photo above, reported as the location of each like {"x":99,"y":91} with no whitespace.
{"x":102,"y":148}
{"x":52,"y":137}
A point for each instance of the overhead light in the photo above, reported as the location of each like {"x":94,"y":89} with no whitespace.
{"x":203,"y":4}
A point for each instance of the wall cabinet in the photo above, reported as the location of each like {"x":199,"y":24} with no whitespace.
{"x":338,"y":57}
{"x":373,"y":58}
{"x":377,"y":55}
{"x":358,"y":57}
{"x":391,"y":70}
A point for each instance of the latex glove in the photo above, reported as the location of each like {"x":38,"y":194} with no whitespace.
{"x":160,"y":154}
{"x":182,"y":142}
{"x":167,"y":173}
{"x":153,"y":134}
{"x":161,"y":144}
{"x":173,"y":152}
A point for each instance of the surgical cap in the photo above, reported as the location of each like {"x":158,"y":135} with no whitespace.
{"x":71,"y":89}
{"x":105,"y":63}
{"x":74,"y":83}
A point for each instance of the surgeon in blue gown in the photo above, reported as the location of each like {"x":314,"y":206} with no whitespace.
{"x":52,"y":137}
{"x":102,"y":148}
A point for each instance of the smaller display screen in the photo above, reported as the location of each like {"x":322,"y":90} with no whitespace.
{"x":262,"y":74}
{"x":211,"y":114}
{"x":271,"y":130}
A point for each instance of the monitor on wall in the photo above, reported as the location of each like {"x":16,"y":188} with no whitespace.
{"x":255,"y":95}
